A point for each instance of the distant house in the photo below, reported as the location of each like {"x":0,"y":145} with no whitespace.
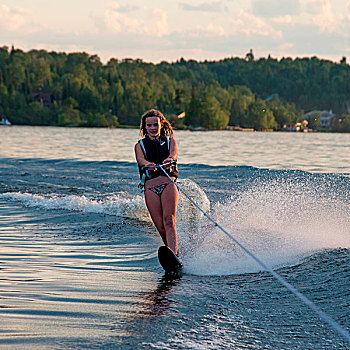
{"x":325,"y":118}
{"x":45,"y":98}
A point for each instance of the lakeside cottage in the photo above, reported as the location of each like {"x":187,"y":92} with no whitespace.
{"x":45,"y":98}
{"x":325,"y":117}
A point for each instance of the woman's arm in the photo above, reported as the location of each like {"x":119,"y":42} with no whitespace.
{"x":140,"y":157}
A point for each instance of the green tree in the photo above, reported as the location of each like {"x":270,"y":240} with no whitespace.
{"x":314,"y":120}
{"x":283,"y":113}
{"x":212,"y":115}
{"x":260,"y":117}
{"x":97,"y":119}
{"x":113,"y":121}
{"x":16,"y":74}
{"x":342,"y":123}
{"x":128,"y":87}
{"x":242,"y":97}
{"x":41,"y":74}
{"x":194,"y":109}
{"x":69,"y":114}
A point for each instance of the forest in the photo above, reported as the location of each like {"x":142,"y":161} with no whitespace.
{"x":76,"y":89}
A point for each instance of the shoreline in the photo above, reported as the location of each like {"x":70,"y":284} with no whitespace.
{"x":231,"y":129}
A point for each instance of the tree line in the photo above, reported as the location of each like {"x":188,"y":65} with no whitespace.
{"x":50,"y":88}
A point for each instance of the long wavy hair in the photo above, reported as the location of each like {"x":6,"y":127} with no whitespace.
{"x":166,"y":129}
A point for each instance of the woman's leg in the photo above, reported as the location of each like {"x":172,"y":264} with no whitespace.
{"x":154,"y":206}
{"x":169,"y":201}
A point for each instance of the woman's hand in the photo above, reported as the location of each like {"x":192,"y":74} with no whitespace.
{"x":168,"y":160}
{"x":149,"y":164}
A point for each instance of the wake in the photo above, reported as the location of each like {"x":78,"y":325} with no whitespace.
{"x":280,"y":221}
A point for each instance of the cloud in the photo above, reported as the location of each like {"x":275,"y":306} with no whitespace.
{"x":119,"y":22}
{"x":203,"y":43}
{"x":213,"y":30}
{"x":200,"y":31}
{"x":160,"y":25}
{"x":13,"y":19}
{"x":321,"y":28}
{"x":275,"y":8}
{"x":312,"y":7}
{"x":309,"y":40}
{"x":252,"y":25}
{"x":321,"y":15}
{"x":127,"y":8}
{"x":216,"y":6}
{"x":282,"y":19}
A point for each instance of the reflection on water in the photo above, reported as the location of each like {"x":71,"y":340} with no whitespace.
{"x":158,"y":301}
{"x":60,"y":287}
{"x":314,"y":152}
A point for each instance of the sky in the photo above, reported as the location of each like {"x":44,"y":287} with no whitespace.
{"x":167,"y":30}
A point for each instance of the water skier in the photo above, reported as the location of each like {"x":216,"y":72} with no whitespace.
{"x":158,"y":146}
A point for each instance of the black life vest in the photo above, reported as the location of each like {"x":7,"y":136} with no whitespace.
{"x":156,"y":151}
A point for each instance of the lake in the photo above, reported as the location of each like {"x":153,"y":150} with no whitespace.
{"x":78,"y":261}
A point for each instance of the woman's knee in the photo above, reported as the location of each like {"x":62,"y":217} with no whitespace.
{"x":169,"y":221}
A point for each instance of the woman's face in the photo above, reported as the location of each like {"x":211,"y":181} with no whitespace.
{"x":153,"y":127}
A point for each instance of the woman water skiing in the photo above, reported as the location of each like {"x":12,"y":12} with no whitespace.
{"x":158,"y":146}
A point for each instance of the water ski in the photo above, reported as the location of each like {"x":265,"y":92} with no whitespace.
{"x":169,"y":261}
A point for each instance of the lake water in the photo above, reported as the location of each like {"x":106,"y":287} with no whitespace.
{"x":315,"y":152}
{"x":78,"y":265}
